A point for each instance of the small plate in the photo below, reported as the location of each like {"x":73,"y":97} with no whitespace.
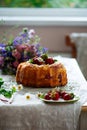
{"x":61,"y":100}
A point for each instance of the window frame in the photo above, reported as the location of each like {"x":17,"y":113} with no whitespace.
{"x":44,"y":16}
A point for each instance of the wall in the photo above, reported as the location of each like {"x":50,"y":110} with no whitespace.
{"x":52,"y":37}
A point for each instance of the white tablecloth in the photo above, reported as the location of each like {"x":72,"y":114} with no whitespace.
{"x":34,"y":114}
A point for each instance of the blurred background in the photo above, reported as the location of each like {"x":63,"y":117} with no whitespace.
{"x":44,"y":3}
{"x":52,"y":29}
{"x":52,"y":20}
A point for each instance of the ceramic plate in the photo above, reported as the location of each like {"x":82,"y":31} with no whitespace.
{"x":61,"y":100}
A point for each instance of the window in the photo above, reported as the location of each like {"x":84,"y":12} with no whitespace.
{"x":44,"y":12}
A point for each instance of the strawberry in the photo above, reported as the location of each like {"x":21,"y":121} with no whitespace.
{"x":67,"y":97}
{"x":62,"y":94}
{"x":49,"y":60}
{"x":47,"y":97}
{"x":38,"y":60}
{"x":55,"y":96}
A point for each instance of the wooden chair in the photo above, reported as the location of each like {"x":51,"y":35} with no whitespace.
{"x":72,"y":44}
{"x":78,"y":44}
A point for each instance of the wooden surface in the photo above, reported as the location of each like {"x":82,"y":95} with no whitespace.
{"x":84,"y":107}
{"x":71,"y":44}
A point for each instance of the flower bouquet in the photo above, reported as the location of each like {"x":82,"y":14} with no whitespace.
{"x":25,"y":46}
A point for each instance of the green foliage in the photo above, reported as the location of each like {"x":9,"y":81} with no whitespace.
{"x":44,"y":3}
{"x":6,"y":93}
{"x":1,"y":81}
{"x":68,"y":3}
{"x":25,"y":3}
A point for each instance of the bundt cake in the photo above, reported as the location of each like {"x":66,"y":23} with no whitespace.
{"x":41,"y":71}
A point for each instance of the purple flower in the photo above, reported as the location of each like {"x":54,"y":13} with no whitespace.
{"x":44,"y":50}
{"x":2,"y":45}
{"x":18,"y":40}
{"x":37,"y":45}
{"x":2,"y":50}
{"x":31,"y":33}
{"x":24,"y":34}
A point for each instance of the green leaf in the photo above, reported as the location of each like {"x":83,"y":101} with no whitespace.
{"x":55,"y":60}
{"x":25,"y":29}
{"x":44,"y":56}
{"x":30,"y":60}
{"x":2,"y":90}
{"x":72,"y":95}
{"x":13,"y":90}
{"x":7,"y":93}
{"x":1,"y":82}
{"x":42,"y":95}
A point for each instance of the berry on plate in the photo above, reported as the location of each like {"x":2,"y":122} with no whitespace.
{"x":47,"y":97}
{"x":56,"y":94}
{"x":68,"y":96}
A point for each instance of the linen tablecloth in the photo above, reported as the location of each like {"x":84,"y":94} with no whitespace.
{"x":35,"y":114}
